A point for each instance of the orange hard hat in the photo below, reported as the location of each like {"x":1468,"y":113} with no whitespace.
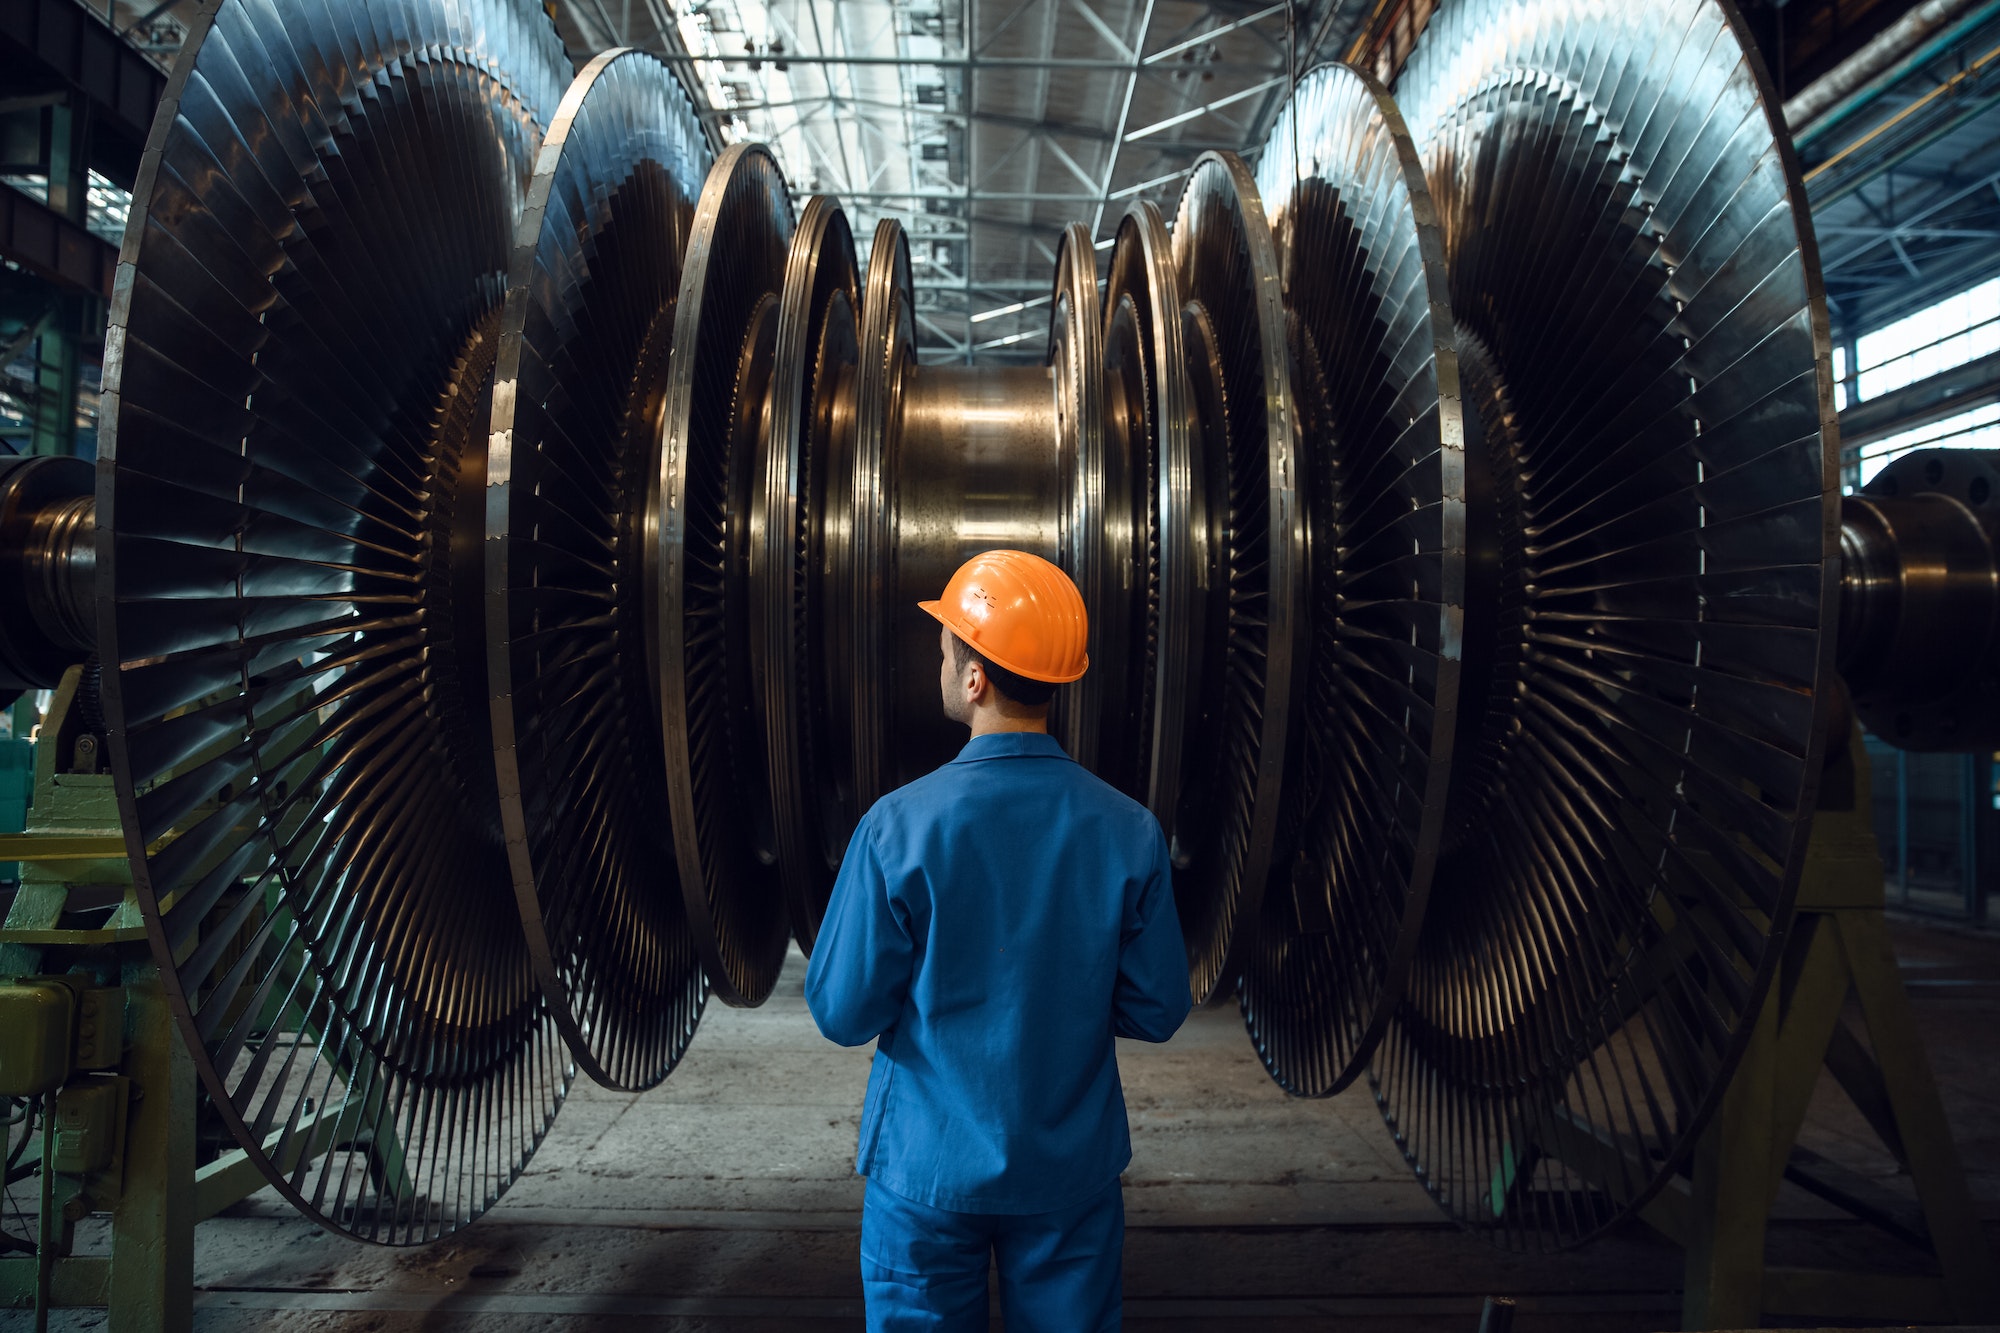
{"x":1020,"y":613}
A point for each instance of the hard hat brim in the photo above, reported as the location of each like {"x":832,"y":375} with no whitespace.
{"x":964,"y":631}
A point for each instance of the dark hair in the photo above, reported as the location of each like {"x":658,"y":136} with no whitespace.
{"x":1013,"y":687}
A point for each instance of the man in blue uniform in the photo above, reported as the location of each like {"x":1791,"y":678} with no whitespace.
{"x":995,"y":924}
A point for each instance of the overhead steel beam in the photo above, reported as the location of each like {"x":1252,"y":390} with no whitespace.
{"x":149,"y":16}
{"x":1145,"y":185}
{"x":1334,"y":32}
{"x":812,"y":107}
{"x":917,"y":231}
{"x":1831,"y":263}
{"x":1885,"y":297}
{"x":1010,"y":340}
{"x":1124,"y":53}
{"x":827,"y":109}
{"x":1240,"y":95}
{"x":970,"y":37}
{"x":51,"y":246}
{"x":1202,"y":38}
{"x":1913,"y":233}
{"x":951,"y":344}
{"x":1121,"y":136}
{"x":1967,"y":94}
{"x":1044,"y":86}
{"x":1124,"y":119}
{"x":957,"y":286}
{"x":1013,"y":308}
{"x":836,"y":104}
{"x":1926,"y":31}
{"x":80,"y":49}
{"x":982,"y":62}
{"x":18,"y":346}
{"x":958,"y":196}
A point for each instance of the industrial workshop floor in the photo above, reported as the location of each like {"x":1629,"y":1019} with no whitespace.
{"x":725,"y":1200}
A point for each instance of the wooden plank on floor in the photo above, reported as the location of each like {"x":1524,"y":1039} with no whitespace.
{"x":608,"y":1304}
{"x":1819,"y":1293}
{"x":1426,"y":1218}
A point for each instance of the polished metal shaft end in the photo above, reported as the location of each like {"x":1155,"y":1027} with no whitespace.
{"x":1920,"y":600}
{"x":48,"y":569}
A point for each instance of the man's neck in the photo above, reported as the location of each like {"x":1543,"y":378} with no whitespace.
{"x":992,"y":722}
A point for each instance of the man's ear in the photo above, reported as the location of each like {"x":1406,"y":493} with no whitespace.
{"x":980,"y":684}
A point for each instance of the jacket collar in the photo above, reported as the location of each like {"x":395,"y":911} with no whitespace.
{"x":1011,"y":745}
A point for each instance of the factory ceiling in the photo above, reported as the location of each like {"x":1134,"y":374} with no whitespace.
{"x":1904,"y":174}
{"x":985,"y":126}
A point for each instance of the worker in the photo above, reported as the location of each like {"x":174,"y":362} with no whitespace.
{"x":994,"y":924}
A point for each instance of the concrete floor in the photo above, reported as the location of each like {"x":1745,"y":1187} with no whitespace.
{"x":726,"y":1200}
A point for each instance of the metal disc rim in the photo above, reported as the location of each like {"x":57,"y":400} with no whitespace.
{"x":862,"y":544}
{"x":1213,"y":975}
{"x":619,"y":72}
{"x":821,"y":263}
{"x":1175,"y":479}
{"x":1421,"y":98}
{"x":521,"y":88}
{"x":1339,"y":155}
{"x":1094,"y":549}
{"x":742,"y":976}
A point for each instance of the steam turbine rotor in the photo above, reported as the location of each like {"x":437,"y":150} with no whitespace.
{"x":503,"y":559}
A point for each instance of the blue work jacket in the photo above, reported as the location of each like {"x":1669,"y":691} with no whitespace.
{"x":996,"y":923}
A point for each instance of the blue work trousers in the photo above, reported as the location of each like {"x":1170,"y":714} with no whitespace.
{"x":924,"y":1268}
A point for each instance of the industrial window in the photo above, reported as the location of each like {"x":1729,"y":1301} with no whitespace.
{"x":1933,"y":340}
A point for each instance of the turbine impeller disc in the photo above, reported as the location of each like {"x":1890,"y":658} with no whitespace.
{"x":588,"y":327}
{"x":711,"y":444}
{"x":1096,"y":531}
{"x":818,"y":351}
{"x":1233,"y":334}
{"x":861,"y":524}
{"x":1652,"y":519}
{"x":1146,"y":403}
{"x":1382,"y":470}
{"x":290,"y":492}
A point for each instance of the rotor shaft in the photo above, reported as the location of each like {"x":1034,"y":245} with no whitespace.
{"x":48,"y":569}
{"x":1920,"y":600}
{"x":979,"y":470}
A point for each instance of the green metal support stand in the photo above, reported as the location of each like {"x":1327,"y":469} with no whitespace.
{"x":152,"y":1228}
{"x":72,"y":851}
{"x":1719,"y":1211}
{"x":73,"y":860}
{"x":1839,"y":948}
{"x":1725,"y":1246}
{"x":147,"y":1281}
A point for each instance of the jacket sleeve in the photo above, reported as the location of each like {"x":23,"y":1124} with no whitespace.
{"x":1152,"y":998}
{"x":860,"y":967}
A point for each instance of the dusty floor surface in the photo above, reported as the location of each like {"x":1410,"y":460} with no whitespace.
{"x":725,"y":1200}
